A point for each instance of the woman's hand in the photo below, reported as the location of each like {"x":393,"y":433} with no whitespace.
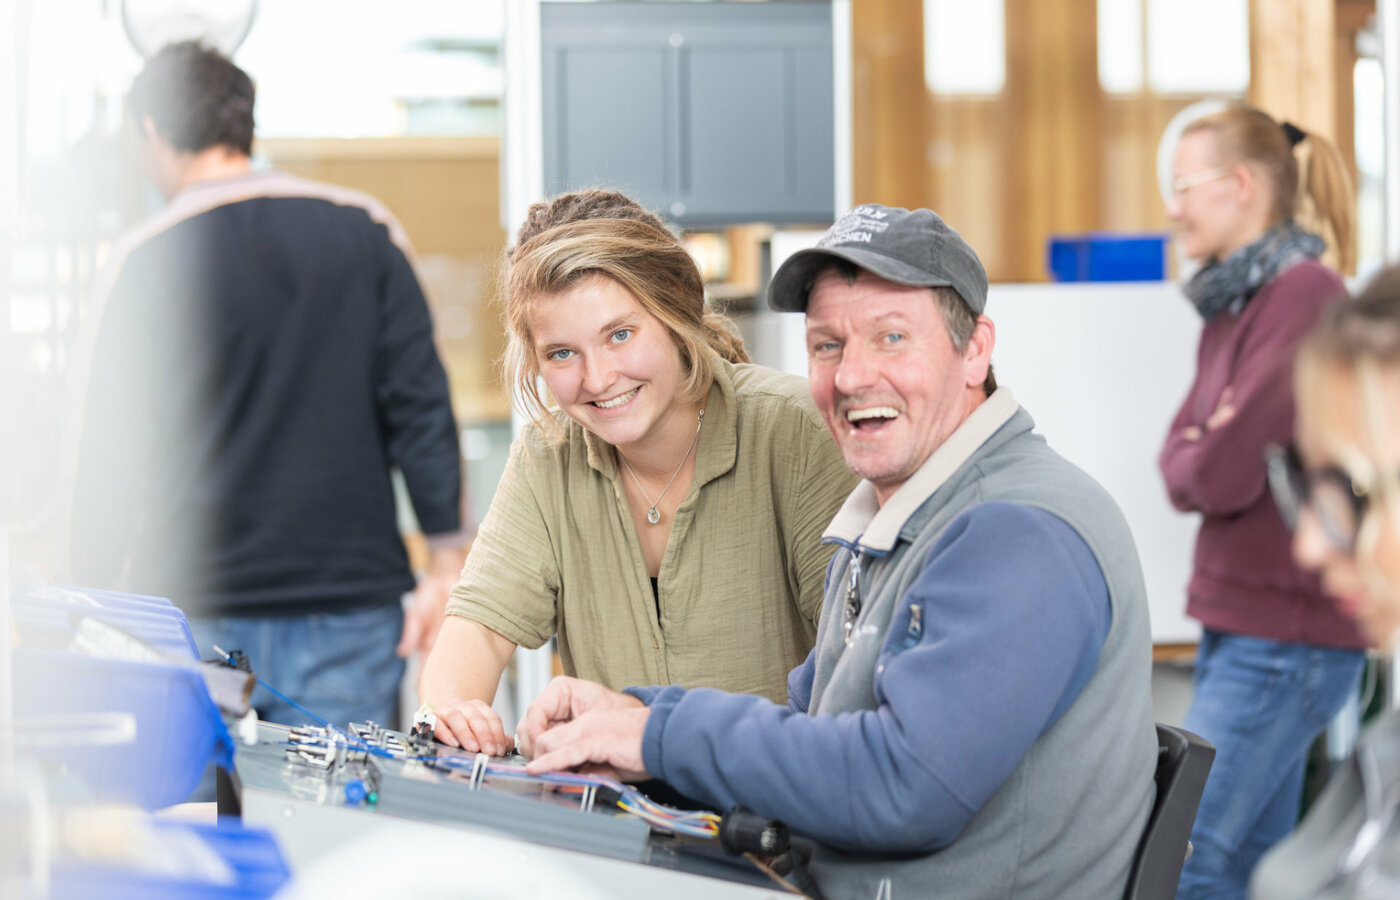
{"x":1221,"y":416}
{"x":458,"y":682}
{"x":472,"y":725}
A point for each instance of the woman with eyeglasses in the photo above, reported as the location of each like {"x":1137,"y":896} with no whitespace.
{"x":1339,"y":486}
{"x":1276,"y":658}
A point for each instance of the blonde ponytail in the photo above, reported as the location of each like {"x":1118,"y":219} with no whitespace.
{"x":1326,"y":201}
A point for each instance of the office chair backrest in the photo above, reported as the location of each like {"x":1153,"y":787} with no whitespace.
{"x":1183,"y":762}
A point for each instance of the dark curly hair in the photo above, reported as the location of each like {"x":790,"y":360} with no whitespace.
{"x":196,"y":97}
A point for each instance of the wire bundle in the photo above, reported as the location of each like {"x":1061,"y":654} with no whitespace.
{"x":693,"y":823}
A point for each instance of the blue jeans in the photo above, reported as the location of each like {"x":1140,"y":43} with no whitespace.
{"x":339,"y":665}
{"x":1261,"y":703}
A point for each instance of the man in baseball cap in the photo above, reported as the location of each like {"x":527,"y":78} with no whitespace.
{"x":975,"y":719}
{"x":913,"y":247}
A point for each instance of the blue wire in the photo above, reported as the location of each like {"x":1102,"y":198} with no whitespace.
{"x":628,"y":794}
{"x":349,"y":737}
{"x":292,"y":703}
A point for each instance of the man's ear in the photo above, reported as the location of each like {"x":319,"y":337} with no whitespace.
{"x":978,"y":354}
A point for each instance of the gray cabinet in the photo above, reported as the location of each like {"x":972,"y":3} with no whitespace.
{"x":710,"y":113}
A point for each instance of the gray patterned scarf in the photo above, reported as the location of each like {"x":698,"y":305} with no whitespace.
{"x":1227,"y":285}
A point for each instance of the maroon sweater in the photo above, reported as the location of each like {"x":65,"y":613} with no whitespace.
{"x":1244,"y":579}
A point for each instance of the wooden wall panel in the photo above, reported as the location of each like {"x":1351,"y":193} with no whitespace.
{"x":1292,"y":62}
{"x":889,"y":102}
{"x":446,"y":193}
{"x":1052,"y":153}
{"x":1054,"y":114}
{"x":967,"y":164}
{"x":1352,"y":17}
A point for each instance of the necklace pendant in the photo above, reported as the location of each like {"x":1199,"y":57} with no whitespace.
{"x":653,"y":515}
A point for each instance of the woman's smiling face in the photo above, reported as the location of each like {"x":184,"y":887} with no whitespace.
{"x":612,"y":366}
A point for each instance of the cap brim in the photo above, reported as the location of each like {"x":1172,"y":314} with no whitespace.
{"x":788,"y":290}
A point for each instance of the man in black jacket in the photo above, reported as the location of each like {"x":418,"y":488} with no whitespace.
{"x":262,"y":358}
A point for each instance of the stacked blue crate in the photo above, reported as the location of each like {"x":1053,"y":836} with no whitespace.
{"x":1106,"y":256}
{"x":255,"y":869}
{"x":179,"y":730}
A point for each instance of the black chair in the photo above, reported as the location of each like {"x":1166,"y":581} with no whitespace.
{"x":1183,"y":762}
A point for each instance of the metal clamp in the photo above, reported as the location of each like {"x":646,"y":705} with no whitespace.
{"x":479,"y":764}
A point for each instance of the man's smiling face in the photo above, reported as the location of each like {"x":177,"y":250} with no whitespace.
{"x":885,"y":374}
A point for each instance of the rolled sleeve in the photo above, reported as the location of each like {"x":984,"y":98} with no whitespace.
{"x":511,"y":579}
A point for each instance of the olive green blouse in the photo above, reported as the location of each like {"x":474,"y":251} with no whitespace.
{"x":741,"y":581}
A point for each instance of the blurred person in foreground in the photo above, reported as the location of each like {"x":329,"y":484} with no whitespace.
{"x":261,"y":357}
{"x":975,"y":720}
{"x":1276,"y":659}
{"x":665,"y":519}
{"x":1339,"y":486}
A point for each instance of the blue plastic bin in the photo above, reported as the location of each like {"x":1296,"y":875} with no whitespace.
{"x":252,"y":853}
{"x":1108,"y":257}
{"x":153,"y":619}
{"x":179,"y":730}
{"x":115,"y":598}
{"x":47,"y":622}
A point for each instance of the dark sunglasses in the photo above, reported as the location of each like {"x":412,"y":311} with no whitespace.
{"x":1337,"y":502}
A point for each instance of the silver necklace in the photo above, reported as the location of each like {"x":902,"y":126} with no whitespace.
{"x":654,"y":514}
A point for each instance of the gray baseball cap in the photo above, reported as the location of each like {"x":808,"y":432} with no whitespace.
{"x":913,"y":247}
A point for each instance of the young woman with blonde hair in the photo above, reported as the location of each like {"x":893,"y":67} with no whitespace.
{"x":665,"y":520}
{"x":1276,"y":659}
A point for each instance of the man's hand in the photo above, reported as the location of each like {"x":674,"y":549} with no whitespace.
{"x":472,"y":725}
{"x":602,"y":742}
{"x":422,"y":620}
{"x":565,"y":701}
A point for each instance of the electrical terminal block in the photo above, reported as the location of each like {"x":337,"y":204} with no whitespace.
{"x":314,"y":747}
{"x":420,"y":736}
{"x":395,"y":746}
{"x":421,"y":743}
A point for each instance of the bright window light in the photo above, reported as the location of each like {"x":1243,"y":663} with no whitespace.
{"x":964,"y":46}
{"x":323,"y":71}
{"x":1370,"y":136}
{"x":1120,"y":46}
{"x":1183,"y":55}
{"x":1197,"y":46}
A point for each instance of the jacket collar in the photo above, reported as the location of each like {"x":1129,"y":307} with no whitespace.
{"x":865,"y":526}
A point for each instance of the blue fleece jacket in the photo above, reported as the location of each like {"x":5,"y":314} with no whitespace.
{"x":1004,"y":645}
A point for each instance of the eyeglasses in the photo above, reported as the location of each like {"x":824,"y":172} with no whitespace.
{"x":1338,"y":501}
{"x":1187,"y":182}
